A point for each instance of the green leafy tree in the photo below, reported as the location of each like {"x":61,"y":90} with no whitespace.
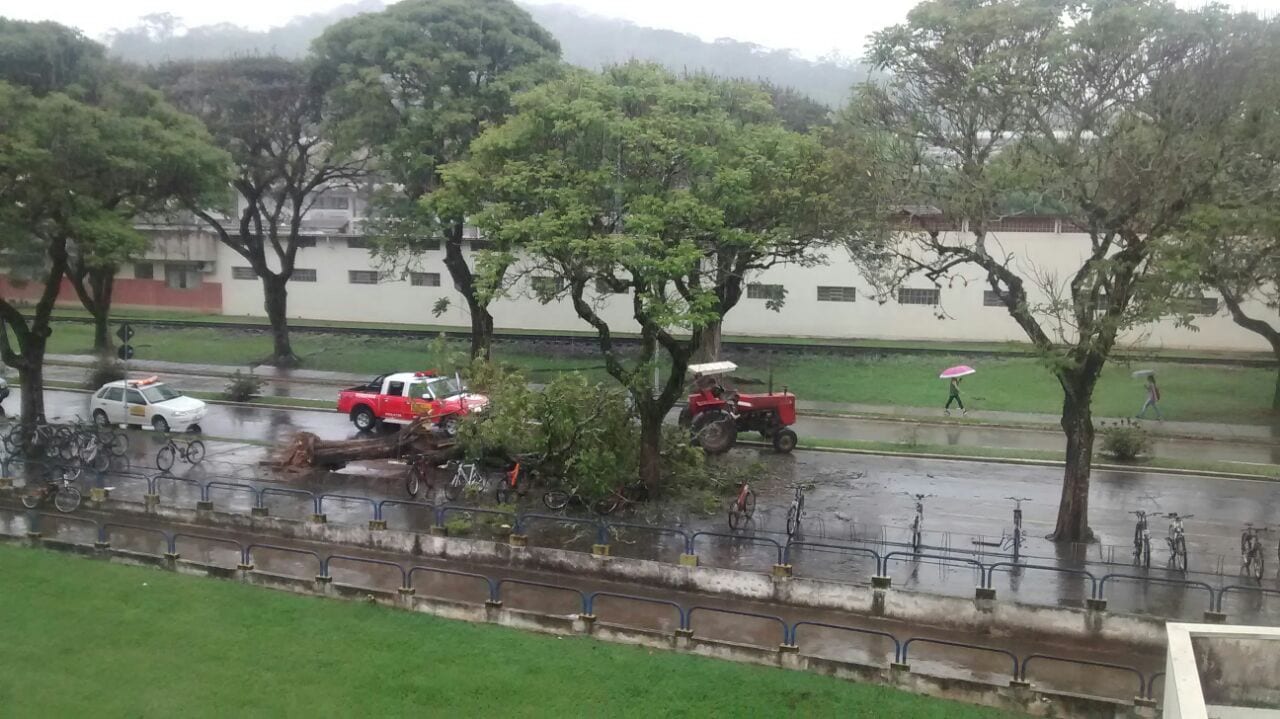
{"x":1116,"y":110}
{"x":80,"y":150}
{"x":266,"y":112}
{"x":415,"y":84}
{"x":639,"y":189}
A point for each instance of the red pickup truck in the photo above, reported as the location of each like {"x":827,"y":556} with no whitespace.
{"x":402,"y":397}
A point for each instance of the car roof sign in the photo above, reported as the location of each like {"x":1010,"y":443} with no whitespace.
{"x":712,"y":368}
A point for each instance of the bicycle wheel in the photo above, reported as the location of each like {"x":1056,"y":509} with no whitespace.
{"x":100,"y":462}
{"x":503,"y":493}
{"x":412,"y":482}
{"x":67,"y":499}
{"x":195,"y":451}
{"x":1146,"y":553}
{"x":1180,"y":554}
{"x":1258,"y":566}
{"x":749,"y":506}
{"x":31,"y":500}
{"x":736,"y":516}
{"x":607,"y":506}
{"x":118,"y":443}
{"x":453,"y":489}
{"x":793,"y":519}
{"x":915,"y":536}
{"x":165,"y":458}
{"x":556,"y":499}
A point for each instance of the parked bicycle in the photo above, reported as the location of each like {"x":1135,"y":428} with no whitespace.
{"x":1014,"y":539}
{"x":191,"y":452}
{"x":1177,"y":541}
{"x":1251,"y":559}
{"x":558,"y":499}
{"x":795,"y":511}
{"x":466,"y":477}
{"x":1142,"y":538}
{"x":418,"y":474}
{"x":63,"y":493}
{"x":742,"y":508}
{"x":515,"y":479}
{"x":917,"y":524}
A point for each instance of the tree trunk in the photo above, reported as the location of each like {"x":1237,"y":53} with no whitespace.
{"x":103,"y":283}
{"x":31,"y":380}
{"x":465,"y":283}
{"x":651,"y":448}
{"x":276,"y":294}
{"x":709,"y":347}
{"x":1077,"y":424}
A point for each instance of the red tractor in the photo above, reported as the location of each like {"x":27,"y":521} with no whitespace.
{"x":716,"y":415}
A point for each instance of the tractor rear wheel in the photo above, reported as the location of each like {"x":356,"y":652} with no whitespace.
{"x":715,"y":432}
{"x":784,"y":440}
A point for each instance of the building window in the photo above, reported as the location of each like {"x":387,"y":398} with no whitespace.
{"x":181,"y":277}
{"x":604,"y":288}
{"x":301,"y":275}
{"x":243,"y":273}
{"x":914,"y":296}
{"x":306,"y":242}
{"x":332,"y":202}
{"x":144,"y":271}
{"x":424,"y":279}
{"x":991,"y":298}
{"x":837,"y":294}
{"x":362,"y":277}
{"x":757,"y":291}
{"x":546,"y":286}
{"x":1196,"y":305}
{"x":358,"y":243}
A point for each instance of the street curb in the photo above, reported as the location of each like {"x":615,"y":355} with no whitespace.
{"x":1131,"y":469}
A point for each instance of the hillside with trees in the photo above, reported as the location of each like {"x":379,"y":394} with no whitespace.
{"x":586,"y":40}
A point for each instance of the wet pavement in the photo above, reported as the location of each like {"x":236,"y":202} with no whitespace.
{"x":856,"y":501}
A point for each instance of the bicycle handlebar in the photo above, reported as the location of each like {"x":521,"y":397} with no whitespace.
{"x":1144,"y":513}
{"x":1175,"y":515}
{"x":1019,"y":499}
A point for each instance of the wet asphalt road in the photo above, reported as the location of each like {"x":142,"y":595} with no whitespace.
{"x":861,"y":499}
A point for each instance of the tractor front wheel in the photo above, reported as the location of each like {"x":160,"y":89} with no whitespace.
{"x":784,"y":440}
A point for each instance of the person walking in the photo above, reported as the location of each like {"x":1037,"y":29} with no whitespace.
{"x":1153,"y":399}
{"x":954,"y":396}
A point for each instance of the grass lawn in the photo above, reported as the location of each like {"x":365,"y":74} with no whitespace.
{"x":85,"y":637}
{"x":1191,"y":392}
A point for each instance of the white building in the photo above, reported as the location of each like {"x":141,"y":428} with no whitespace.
{"x":336,"y":278}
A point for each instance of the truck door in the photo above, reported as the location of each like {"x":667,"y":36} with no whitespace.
{"x":137,"y":406}
{"x":395,"y":405}
{"x":421,"y":401}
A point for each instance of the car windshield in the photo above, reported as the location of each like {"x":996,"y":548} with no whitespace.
{"x":442,"y":387}
{"x":160,"y":393}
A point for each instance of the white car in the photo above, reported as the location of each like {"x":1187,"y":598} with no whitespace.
{"x":138,"y":402}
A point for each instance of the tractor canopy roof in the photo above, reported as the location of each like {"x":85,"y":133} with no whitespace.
{"x":712,"y":368}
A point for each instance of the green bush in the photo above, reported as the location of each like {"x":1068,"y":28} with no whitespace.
{"x":242,"y":387}
{"x":1124,"y":440}
{"x":104,"y":371}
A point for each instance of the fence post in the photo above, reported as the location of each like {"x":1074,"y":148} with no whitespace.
{"x":102,"y":542}
{"x":601,"y":547}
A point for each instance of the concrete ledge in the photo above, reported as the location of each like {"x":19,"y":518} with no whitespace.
{"x":102,"y":545}
{"x":1019,"y":684}
{"x":899,"y":667}
{"x":1144,"y":702}
{"x":688,"y":560}
{"x":788,"y":648}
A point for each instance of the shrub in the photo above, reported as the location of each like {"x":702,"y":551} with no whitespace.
{"x":242,"y":387}
{"x":1124,"y":440}
{"x":104,"y":371}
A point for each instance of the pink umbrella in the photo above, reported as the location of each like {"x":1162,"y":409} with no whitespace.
{"x":960,"y":370}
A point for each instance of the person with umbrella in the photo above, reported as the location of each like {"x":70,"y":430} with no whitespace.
{"x":955,"y":374}
{"x":1153,"y":395}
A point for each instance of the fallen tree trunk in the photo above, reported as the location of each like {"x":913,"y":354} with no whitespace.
{"x":306,"y":450}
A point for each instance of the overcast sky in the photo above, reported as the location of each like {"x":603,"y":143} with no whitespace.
{"x":811,"y":27}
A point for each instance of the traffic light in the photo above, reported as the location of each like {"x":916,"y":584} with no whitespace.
{"x":125,"y":333}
